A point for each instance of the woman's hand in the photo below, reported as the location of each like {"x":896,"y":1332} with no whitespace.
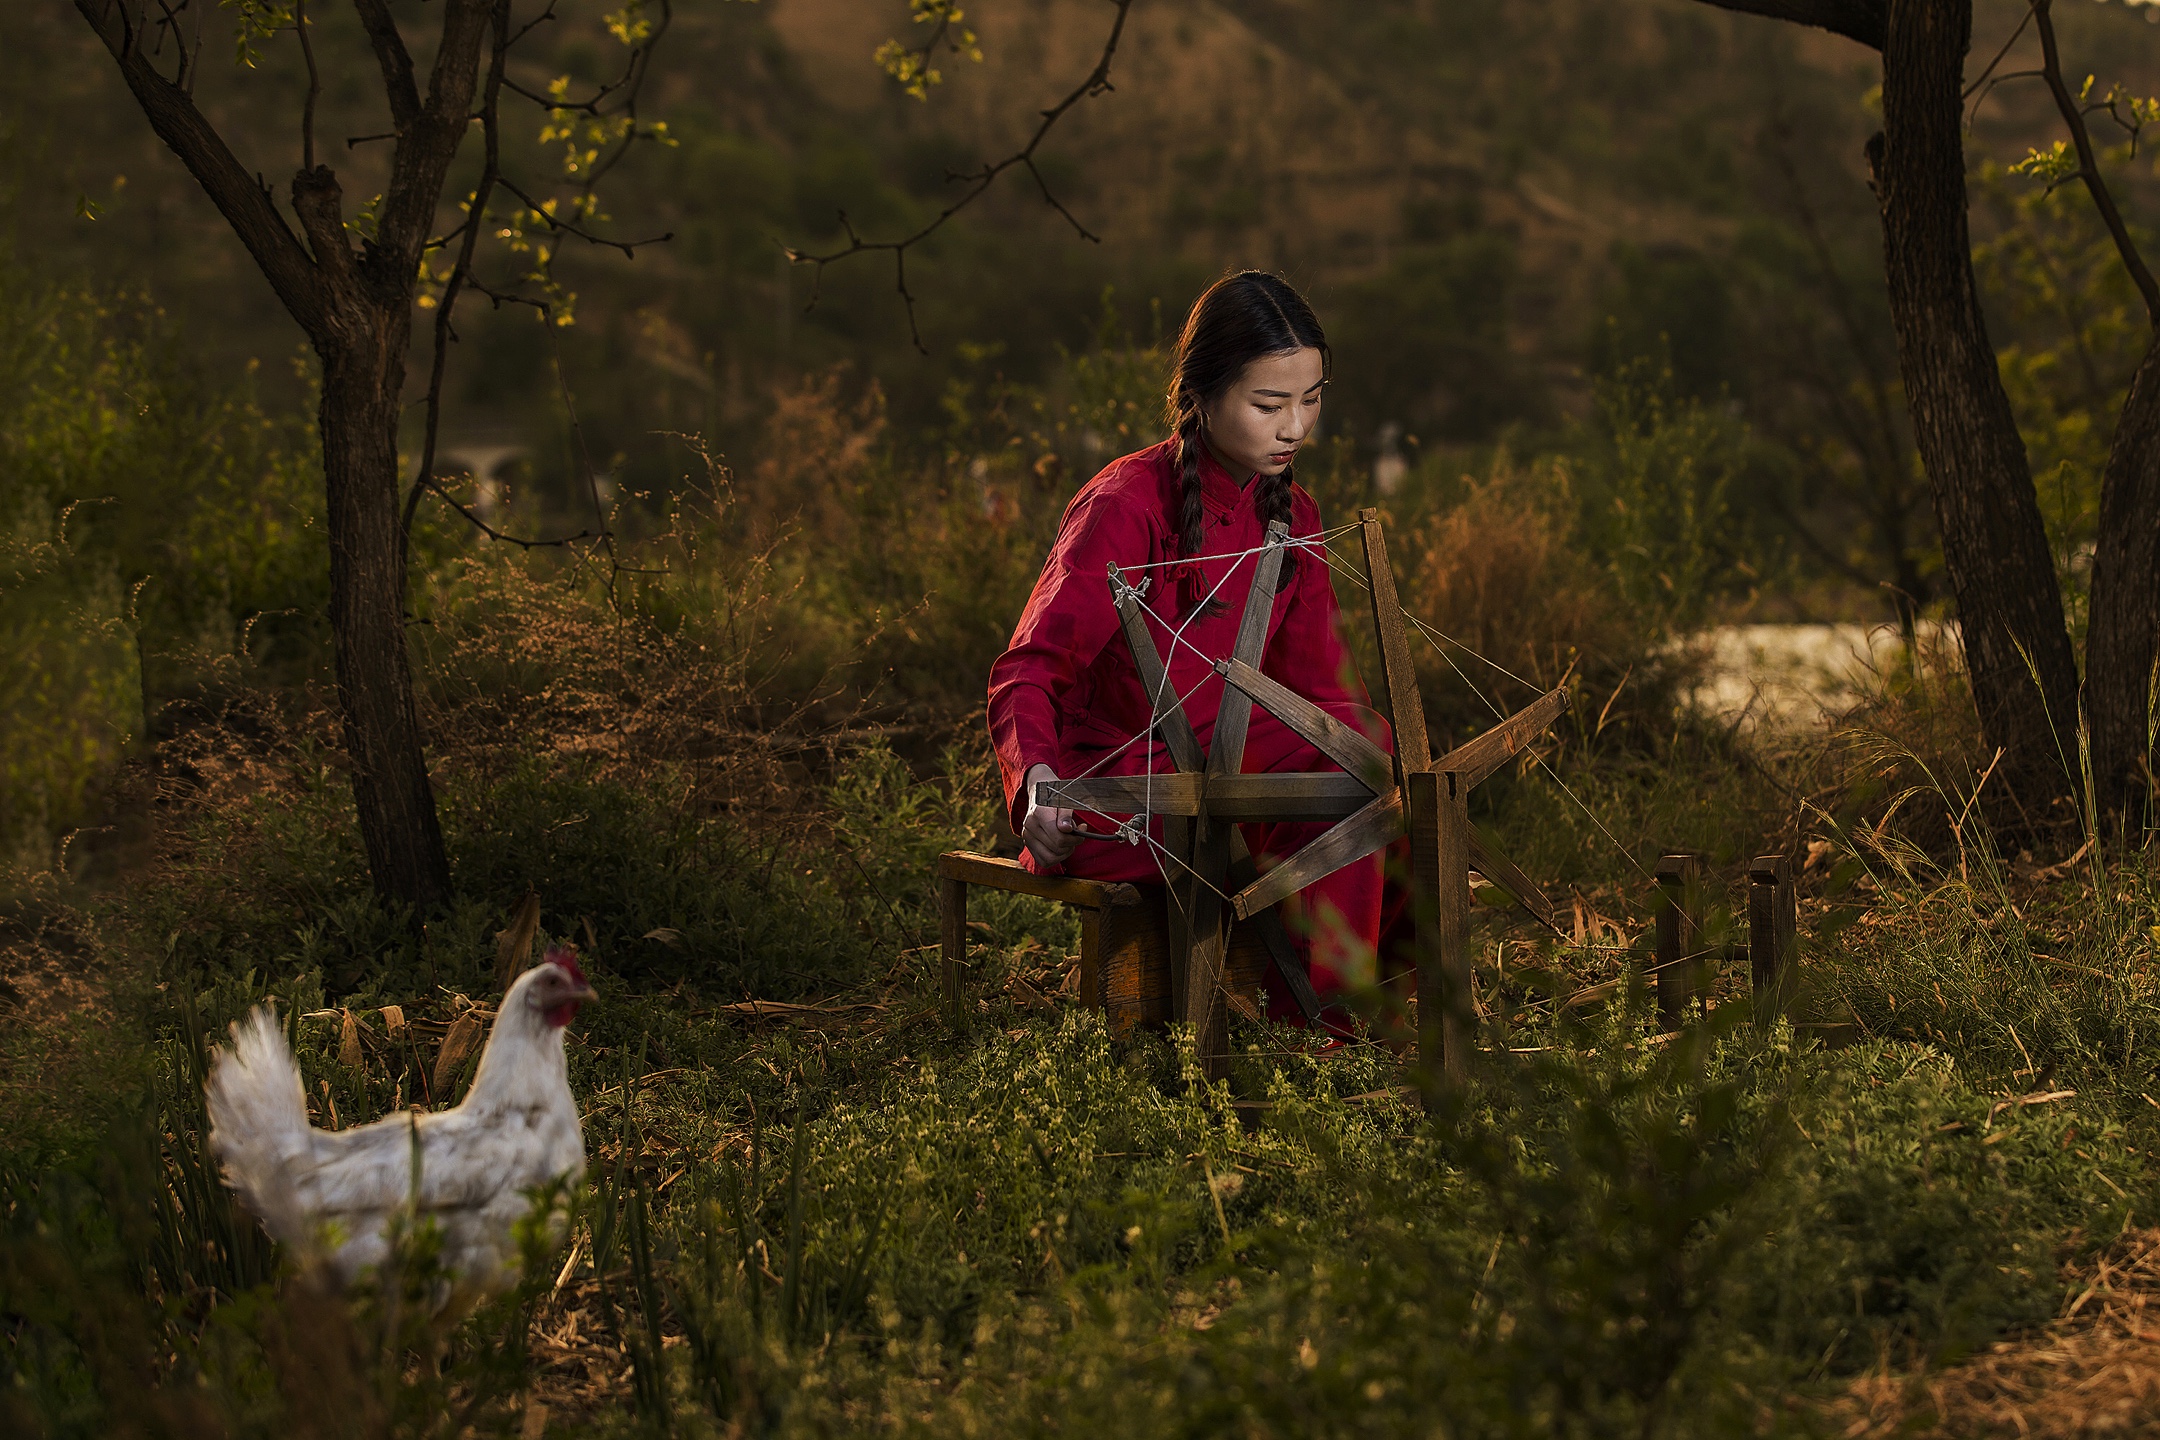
{"x":1047,"y":831}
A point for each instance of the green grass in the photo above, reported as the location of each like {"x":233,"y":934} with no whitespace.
{"x":871,"y":1221}
{"x":863,"y":1218}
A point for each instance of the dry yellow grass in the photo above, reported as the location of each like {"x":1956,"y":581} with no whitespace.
{"x":2095,"y":1370}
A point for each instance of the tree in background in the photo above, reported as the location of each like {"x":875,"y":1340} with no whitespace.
{"x":353,"y":281}
{"x":353,"y":284}
{"x":2019,"y":654}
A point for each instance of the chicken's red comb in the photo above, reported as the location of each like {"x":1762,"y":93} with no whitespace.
{"x":565,"y":956}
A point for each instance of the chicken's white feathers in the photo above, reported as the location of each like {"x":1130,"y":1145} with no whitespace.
{"x":258,"y":1119}
{"x":334,"y":1194}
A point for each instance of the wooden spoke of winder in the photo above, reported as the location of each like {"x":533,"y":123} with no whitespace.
{"x":1373,"y":828}
{"x":1233,"y":714}
{"x":1317,"y":795}
{"x":1205,"y":1007}
{"x":1357,"y":755}
{"x":1508,"y":877}
{"x":1476,"y":759}
{"x":1379,"y":822}
{"x":1246,"y":799}
{"x":1168,"y":709}
{"x":1273,"y":937}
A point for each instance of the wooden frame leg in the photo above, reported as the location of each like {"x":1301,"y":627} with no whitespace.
{"x":1773,"y":935}
{"x":1440,"y":858}
{"x":1208,"y":949}
{"x":1177,"y":839}
{"x":952,"y":939}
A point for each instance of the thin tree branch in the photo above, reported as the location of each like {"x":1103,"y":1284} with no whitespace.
{"x":1984,"y":74}
{"x":193,"y":53}
{"x":500,"y":298}
{"x":443,"y":240}
{"x":314,"y":87}
{"x":634,"y":78}
{"x":589,"y":106}
{"x":469,"y":231}
{"x":1988,"y":88}
{"x":522,"y":542}
{"x":1058,"y":205}
{"x":979,"y":181}
{"x":544,"y":17}
{"x":245,"y":204}
{"x":393,"y":57}
{"x":445,"y":333}
{"x":945,"y":19}
{"x":2089,"y":165}
{"x":628,"y":247}
{"x":183,"y":75}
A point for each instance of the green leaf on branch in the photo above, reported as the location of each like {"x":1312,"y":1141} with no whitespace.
{"x":2052,"y":166}
{"x":630,"y":24}
{"x":910,"y":65}
{"x":259,"y":20}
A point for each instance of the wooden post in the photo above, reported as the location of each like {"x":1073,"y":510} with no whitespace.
{"x":1458,"y":1001}
{"x":1440,"y":859}
{"x":1679,"y":936}
{"x":1773,"y":935}
{"x":952,"y":939}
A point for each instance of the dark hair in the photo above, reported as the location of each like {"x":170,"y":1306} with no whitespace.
{"x":1241,"y":318}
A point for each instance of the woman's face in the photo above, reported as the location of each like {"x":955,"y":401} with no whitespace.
{"x":1257,"y":425}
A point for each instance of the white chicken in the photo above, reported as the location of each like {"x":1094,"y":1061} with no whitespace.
{"x":333,"y":1195}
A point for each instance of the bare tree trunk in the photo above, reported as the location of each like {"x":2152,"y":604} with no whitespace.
{"x":1995,"y":550}
{"x":362,"y":379}
{"x":356,"y":307}
{"x":2017,"y":648}
{"x":2122,"y":638}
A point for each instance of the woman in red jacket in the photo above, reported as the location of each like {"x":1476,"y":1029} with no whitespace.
{"x":1192,"y":513}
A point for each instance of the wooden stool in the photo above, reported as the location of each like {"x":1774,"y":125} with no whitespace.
{"x":1125,"y":942}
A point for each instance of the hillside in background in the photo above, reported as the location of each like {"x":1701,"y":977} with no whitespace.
{"x":1491,"y":203}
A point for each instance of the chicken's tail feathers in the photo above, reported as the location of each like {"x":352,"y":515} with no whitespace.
{"x":258,"y":1121}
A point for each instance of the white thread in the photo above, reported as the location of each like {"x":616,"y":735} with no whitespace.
{"x":1135,"y":830}
{"x":1428,"y":632}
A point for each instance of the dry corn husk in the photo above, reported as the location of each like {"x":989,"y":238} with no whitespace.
{"x":393,"y":1019}
{"x":513,"y":946}
{"x":457,"y":1047}
{"x":349,"y":1043}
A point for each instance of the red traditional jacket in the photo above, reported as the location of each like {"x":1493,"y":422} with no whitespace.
{"x":1065,"y":692}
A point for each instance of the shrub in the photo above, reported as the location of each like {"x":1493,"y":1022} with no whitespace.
{"x":150,"y":522}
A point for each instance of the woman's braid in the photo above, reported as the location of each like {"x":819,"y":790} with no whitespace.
{"x":1192,"y":515}
{"x":1271,"y":502}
